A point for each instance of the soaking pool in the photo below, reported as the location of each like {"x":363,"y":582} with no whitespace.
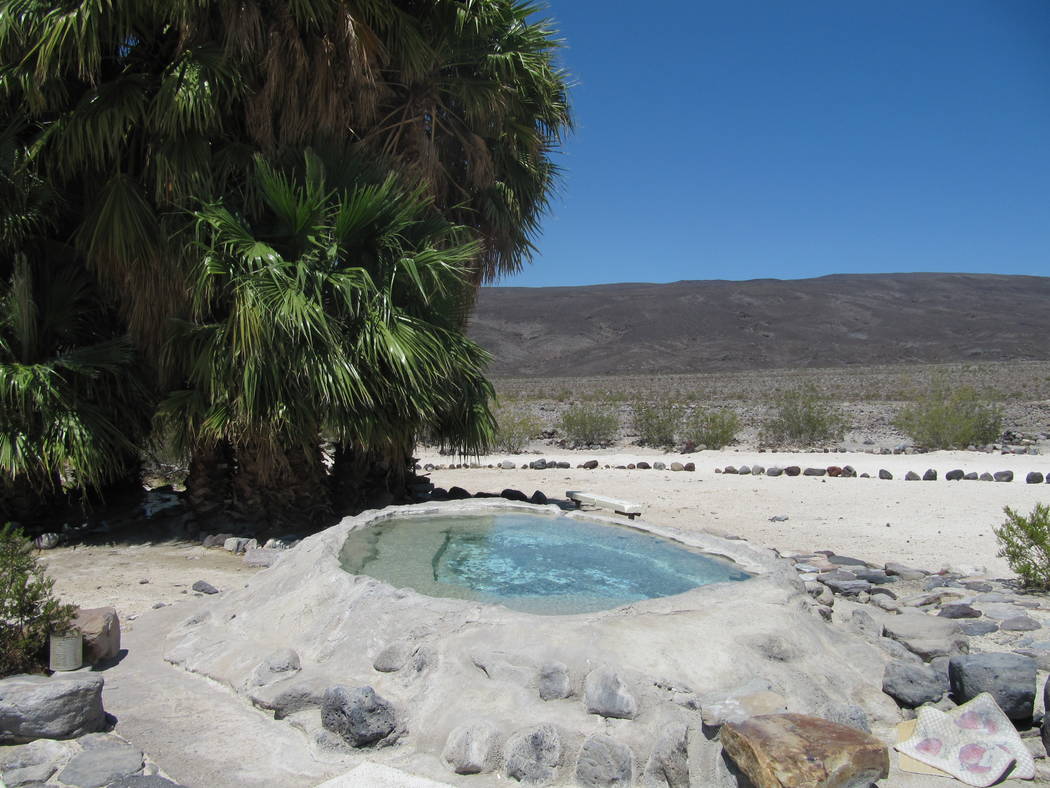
{"x":547,"y":565}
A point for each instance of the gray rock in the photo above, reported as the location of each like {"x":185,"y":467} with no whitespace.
{"x":1003,"y":476}
{"x":605,"y":693}
{"x":850,"y":715}
{"x":144,"y":781}
{"x":262,"y":556}
{"x":1010,"y":678}
{"x":912,"y":476}
{"x":730,"y":469}
{"x":977,"y":585}
{"x":472,"y":748}
{"x":954,"y":475}
{"x":1019,"y":624}
{"x":974,"y":628}
{"x":235,"y":544}
{"x":32,"y":763}
{"x":553,"y":682}
{"x":845,"y":560}
{"x":393,"y":657}
{"x":884,"y":474}
{"x":533,"y":754}
{"x":986,"y":477}
{"x":971,"y":476}
{"x":1035,"y":477}
{"x":876,"y":576}
{"x":604,"y":762}
{"x":358,"y":715}
{"x":792,"y":470}
{"x":905,"y":572}
{"x":677,"y":466}
{"x":774,"y":471}
{"x":926,"y":636}
{"x":202,"y":587}
{"x":48,"y":541}
{"x":957,"y":610}
{"x":668,"y":764}
{"x":278,"y":665}
{"x":930,"y":475}
{"x":507,"y":465}
{"x":846,"y":587}
{"x":287,"y":698}
{"x":744,"y":470}
{"x":1001,"y":612}
{"x":757,"y":470}
{"x":911,"y":685}
{"x":659,"y":466}
{"x":815,"y":472}
{"x":101,"y":763}
{"x":63,"y":706}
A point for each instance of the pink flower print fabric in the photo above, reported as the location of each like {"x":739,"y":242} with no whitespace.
{"x":975,"y":743}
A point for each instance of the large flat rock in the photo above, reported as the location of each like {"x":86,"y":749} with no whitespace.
{"x":926,"y":636}
{"x":61,"y":706}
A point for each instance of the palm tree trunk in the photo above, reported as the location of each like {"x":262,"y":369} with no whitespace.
{"x":290,"y":490}
{"x":208,"y":481}
{"x":365,"y":479}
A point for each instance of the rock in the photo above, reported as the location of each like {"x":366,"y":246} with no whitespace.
{"x":834,"y":471}
{"x":538,"y":498}
{"x":912,"y":476}
{"x":926,"y":636}
{"x":954,"y":475}
{"x":605,"y":693}
{"x":235,"y":544}
{"x":845,"y":587}
{"x":359,"y":715}
{"x":774,"y":471}
{"x":958,"y":611}
{"x":845,"y":560}
{"x":643,"y":466}
{"x":472,"y":748}
{"x":261,"y":556}
{"x":677,"y":466}
{"x":792,"y":470}
{"x":930,"y":475}
{"x":392,"y":658}
{"x":874,"y":576}
{"x":1003,"y":476}
{"x":63,"y":706}
{"x":32,"y":763}
{"x":457,"y":493}
{"x":757,"y":470}
{"x":563,"y":464}
{"x":977,"y":585}
{"x":668,"y":765}
{"x":101,"y":630}
{"x":1019,"y":624}
{"x":719,"y":710}
{"x":744,"y":470}
{"x":590,"y":465}
{"x":982,"y":627}
{"x":971,"y":476}
{"x":278,"y":665}
{"x":884,"y":474}
{"x":730,"y":470}
{"x":887,"y":603}
{"x":532,"y":755}
{"x":905,"y":572}
{"x":538,"y":465}
{"x":1035,"y":477}
{"x":1001,"y":612}
{"x":986,"y":477}
{"x":48,"y":541}
{"x":911,"y":685}
{"x":507,"y":465}
{"x":286,"y":698}
{"x":689,"y":467}
{"x":850,"y":715}
{"x":514,"y":495}
{"x":778,"y":518}
{"x":604,"y":762}
{"x":202,"y":587}
{"x":815,"y":472}
{"x":103,"y":761}
{"x":794,"y":750}
{"x":659,"y":466}
{"x":554,"y":681}
{"x":144,"y":781}
{"x":1010,"y":678}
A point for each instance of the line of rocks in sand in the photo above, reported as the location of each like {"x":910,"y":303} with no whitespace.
{"x":847,"y":471}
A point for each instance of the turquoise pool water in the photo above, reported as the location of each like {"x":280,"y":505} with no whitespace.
{"x":544,"y":565}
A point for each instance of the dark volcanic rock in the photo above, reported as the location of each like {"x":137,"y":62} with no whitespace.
{"x":1010,"y":678}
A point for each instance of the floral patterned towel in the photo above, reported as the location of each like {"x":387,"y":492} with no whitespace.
{"x":975,"y":743}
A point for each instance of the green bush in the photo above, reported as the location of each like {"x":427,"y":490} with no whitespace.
{"x":1025,"y":544}
{"x":28,"y":611}
{"x":802,"y":415}
{"x":945,"y":418}
{"x":656,"y":422}
{"x":590,"y":425}
{"x":514,"y":430}
{"x":714,"y":429}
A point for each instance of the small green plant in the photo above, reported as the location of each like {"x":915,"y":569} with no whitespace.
{"x":590,"y":425}
{"x":802,"y":415}
{"x":515,"y":429}
{"x":947,"y":418}
{"x":28,"y":611}
{"x":1025,"y":544}
{"x":656,"y":422}
{"x":714,"y":429}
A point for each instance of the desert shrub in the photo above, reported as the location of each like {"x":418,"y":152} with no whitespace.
{"x":515,"y":429}
{"x":947,"y":418}
{"x":590,"y":425}
{"x":656,"y":422}
{"x":1025,"y":544}
{"x":711,"y":428}
{"x":28,"y":611}
{"x":803,"y":415}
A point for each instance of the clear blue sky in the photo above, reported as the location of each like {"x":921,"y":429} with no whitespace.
{"x":743,"y":139}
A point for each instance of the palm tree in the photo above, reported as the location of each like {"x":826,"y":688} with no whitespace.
{"x":330,"y":314}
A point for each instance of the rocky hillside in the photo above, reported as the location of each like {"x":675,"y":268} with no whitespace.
{"x":704,"y":326}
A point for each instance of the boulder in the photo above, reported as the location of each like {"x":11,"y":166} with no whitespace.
{"x":605,"y":693}
{"x":553,"y":682}
{"x":458,"y":493}
{"x":730,"y":469}
{"x":235,"y":544}
{"x":954,"y":475}
{"x":791,"y":750}
{"x":757,"y":470}
{"x":659,"y":466}
{"x":884,"y":474}
{"x":971,"y":476}
{"x":668,"y":764}
{"x":359,"y":716}
{"x":926,"y":636}
{"x":834,"y":471}
{"x":101,"y":630}
{"x":533,"y":754}
{"x":677,"y":466}
{"x":815,"y":472}
{"x":514,"y":495}
{"x":792,"y":470}
{"x":689,"y":467}
{"x":930,"y":475}
{"x":912,"y":476}
{"x":32,"y":763}
{"x":104,"y":760}
{"x":912,"y":685}
{"x":62,"y":706}
{"x":603,"y":762}
{"x":774,"y":471}
{"x":1010,"y":678}
{"x":507,"y":465}
{"x":472,"y":748}
{"x":644,"y":466}
{"x":201,"y":587}
{"x":986,"y":477}
{"x":590,"y":465}
{"x":905,"y":572}
{"x":538,"y":498}
{"x":1035,"y":477}
{"x":1003,"y":476}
